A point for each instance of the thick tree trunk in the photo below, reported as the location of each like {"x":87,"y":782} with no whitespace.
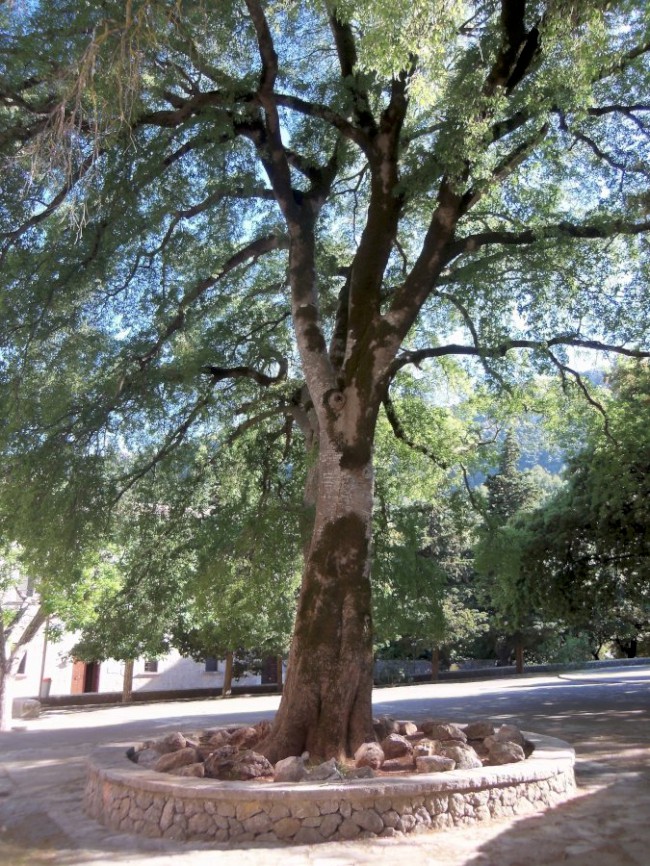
{"x":326,"y":704}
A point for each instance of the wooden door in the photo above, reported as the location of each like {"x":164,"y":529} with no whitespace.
{"x":78,"y":678}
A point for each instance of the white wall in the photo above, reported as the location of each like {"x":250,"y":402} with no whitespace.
{"x":174,"y":672}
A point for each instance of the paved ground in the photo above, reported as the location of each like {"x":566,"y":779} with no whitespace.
{"x":605,"y":715}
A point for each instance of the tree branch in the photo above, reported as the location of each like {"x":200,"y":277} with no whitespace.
{"x":501,"y":350}
{"x":250,"y":252}
{"x":220,"y":373}
{"x":474,"y":242}
{"x":400,"y":433}
{"x":347,"y":55}
{"x":564,"y":369}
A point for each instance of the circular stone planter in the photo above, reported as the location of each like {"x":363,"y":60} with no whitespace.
{"x":131,"y":799}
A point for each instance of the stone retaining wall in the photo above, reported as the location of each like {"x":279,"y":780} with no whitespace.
{"x":128,"y":798}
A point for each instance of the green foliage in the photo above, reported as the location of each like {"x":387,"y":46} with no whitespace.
{"x":584,"y":555}
{"x":416,"y":181}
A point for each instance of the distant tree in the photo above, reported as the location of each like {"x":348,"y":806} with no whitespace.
{"x":510,"y":492}
{"x":208,"y":574}
{"x":585,"y":556}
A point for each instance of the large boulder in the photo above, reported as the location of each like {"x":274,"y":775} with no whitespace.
{"x":406,"y":728}
{"x":146,"y":757}
{"x":369,"y":755}
{"x":290,"y":769}
{"x":436,"y":730}
{"x":479,"y":730}
{"x":171,"y":743}
{"x":173,"y":760}
{"x":425,"y":747}
{"x":196,"y":771}
{"x":506,"y":753}
{"x":509,"y":734}
{"x":434,"y":764}
{"x":395,"y":746}
{"x":219,"y":763}
{"x":384,"y":726}
{"x":250,"y":765}
{"x":216,"y":739}
{"x":245,"y":738}
{"x":328,"y":771}
{"x":464,"y":757}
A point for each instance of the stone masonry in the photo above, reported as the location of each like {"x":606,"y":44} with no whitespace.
{"x":130,"y":799}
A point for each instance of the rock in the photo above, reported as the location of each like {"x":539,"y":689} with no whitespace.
{"x":250,"y":765}
{"x":219,"y":763}
{"x":406,"y":728}
{"x":244,"y":738}
{"x":193,"y":770}
{"x":290,"y":769}
{"x":396,"y":765}
{"x":326,"y":772}
{"x":465,"y":757}
{"x":369,"y":755}
{"x":171,"y":743}
{"x":28,"y":708}
{"x":174,"y":760}
{"x":384,"y":726}
{"x":506,"y":753}
{"x":425,"y":747}
{"x":360,"y":773}
{"x":395,"y":746}
{"x":434,"y":764}
{"x":146,"y":757}
{"x":479,"y":730}
{"x":509,"y":734}
{"x":216,"y":739}
{"x":442,"y":731}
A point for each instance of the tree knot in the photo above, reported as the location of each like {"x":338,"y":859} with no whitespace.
{"x":335,"y":400}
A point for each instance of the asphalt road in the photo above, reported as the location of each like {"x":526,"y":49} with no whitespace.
{"x":604,"y":715}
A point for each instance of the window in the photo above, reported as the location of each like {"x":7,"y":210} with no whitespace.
{"x":211,"y":665}
{"x":22,"y":665}
{"x":151,"y":666}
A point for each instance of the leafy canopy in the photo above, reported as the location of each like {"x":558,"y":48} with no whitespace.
{"x":212,"y":214}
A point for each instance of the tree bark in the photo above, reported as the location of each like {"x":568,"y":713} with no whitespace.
{"x":326,"y":706}
{"x":519,"y":654}
{"x":435,"y":664}
{"x":127,"y":683}
{"x":7,"y":680}
{"x":278,"y":678}
{"x":227,"y":675}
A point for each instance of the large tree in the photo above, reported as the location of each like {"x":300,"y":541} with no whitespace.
{"x":216,"y":215}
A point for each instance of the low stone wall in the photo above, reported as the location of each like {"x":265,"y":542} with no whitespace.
{"x":128,"y":798}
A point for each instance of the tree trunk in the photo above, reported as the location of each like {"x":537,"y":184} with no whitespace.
{"x":435,"y":664}
{"x":278,"y":678}
{"x":127,"y":683}
{"x":227,"y":675}
{"x":326,"y":706}
{"x":519,"y":654}
{"x":7,"y":680}
{"x":5,"y":700}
